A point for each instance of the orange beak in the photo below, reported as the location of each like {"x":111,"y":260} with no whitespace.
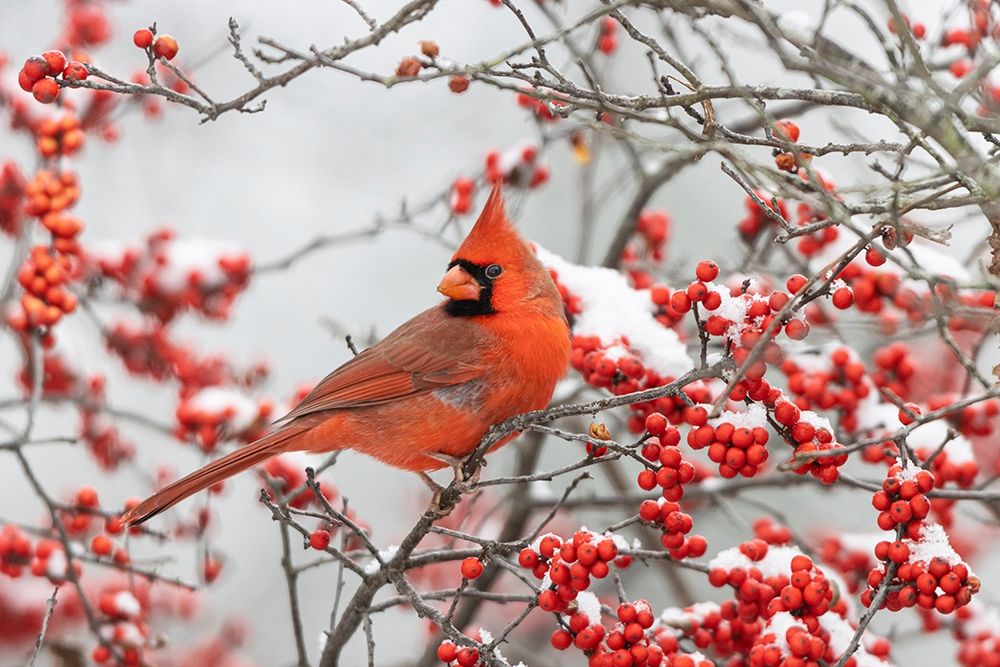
{"x":458,"y":285}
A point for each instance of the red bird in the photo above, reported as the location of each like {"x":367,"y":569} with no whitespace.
{"x":426,"y":395}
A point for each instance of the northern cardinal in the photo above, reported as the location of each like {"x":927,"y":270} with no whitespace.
{"x":425,"y":395}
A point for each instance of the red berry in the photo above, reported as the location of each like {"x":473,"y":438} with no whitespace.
{"x":874,"y":257}
{"x":680,"y":302}
{"x":86,"y":496}
{"x":468,"y":657}
{"x":560,"y":639}
{"x":898,"y":552}
{"x":801,"y":562}
{"x":905,"y":417}
{"x":101,"y":545}
{"x":656,"y":424}
{"x":319,"y":540}
{"x":142,"y":38}
{"x":795,"y":283}
{"x":25,"y":81}
{"x":212,"y":569}
{"x":787,"y":130}
{"x":165,"y":46}
{"x":56,"y":61}
{"x":843,"y":298}
{"x":458,"y":83}
{"x":797,"y":329}
{"x":447,"y":651}
{"x":472,"y":567}
{"x":35,"y":68}
{"x":528,"y":558}
{"x":960,"y":68}
{"x":707,"y":271}
{"x":45,"y":90}
{"x":75,"y":71}
{"x":607,"y":550}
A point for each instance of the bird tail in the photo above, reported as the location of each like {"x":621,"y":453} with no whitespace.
{"x":235,"y":462}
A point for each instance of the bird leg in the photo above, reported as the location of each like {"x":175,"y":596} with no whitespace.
{"x":435,"y":488}
{"x":458,"y":465}
{"x":437,"y":502}
{"x":462,"y":483}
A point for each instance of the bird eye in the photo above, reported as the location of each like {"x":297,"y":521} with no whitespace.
{"x":493,"y":271}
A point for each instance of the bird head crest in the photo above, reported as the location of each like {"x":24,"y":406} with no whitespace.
{"x":493,"y":237}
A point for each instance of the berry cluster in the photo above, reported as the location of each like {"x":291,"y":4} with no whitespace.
{"x":12,"y":193}
{"x":972,"y":420}
{"x":39,"y":75}
{"x":652,"y":231}
{"x":569,"y":565}
{"x":221,"y":413}
{"x":59,"y":135}
{"x":128,"y":631}
{"x":627,"y":644}
{"x":611,"y":367}
{"x":519,"y":166}
{"x":15,"y":551}
{"x":100,"y":433}
{"x":50,"y":562}
{"x":812,"y":244}
{"x":708,"y":626}
{"x":287,"y":474}
{"x":832,"y":380}
{"x":767,"y":529}
{"x":928,"y":574}
{"x":811,"y":434}
{"x":787,"y":130}
{"x":788,"y":642}
{"x":450,"y":654}
{"x":978,"y":632}
{"x":738,"y":449}
{"x":44,"y":276}
{"x":460,"y":200}
{"x":607,"y":39}
{"x":543,"y":108}
{"x":166,"y":275}
{"x":160,"y":46}
{"x":902,"y":500}
{"x":148,"y":351}
{"x":756,"y":218}
{"x":50,"y":194}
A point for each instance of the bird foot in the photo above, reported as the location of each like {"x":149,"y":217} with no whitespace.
{"x":461,"y":483}
{"x":438,"y":506}
{"x":458,"y":466}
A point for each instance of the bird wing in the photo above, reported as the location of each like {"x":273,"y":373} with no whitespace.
{"x":431,"y":351}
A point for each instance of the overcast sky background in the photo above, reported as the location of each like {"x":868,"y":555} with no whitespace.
{"x":327,"y":155}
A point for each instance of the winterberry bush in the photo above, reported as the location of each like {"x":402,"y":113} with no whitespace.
{"x":779,"y":449}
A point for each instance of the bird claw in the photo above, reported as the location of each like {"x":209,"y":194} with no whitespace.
{"x":461,"y":483}
{"x":458,"y":466}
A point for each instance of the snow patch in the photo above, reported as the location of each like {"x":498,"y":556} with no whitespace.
{"x":933,"y":544}
{"x":588,"y":605}
{"x":612,"y":310}
{"x":386,"y":554}
{"x":780,"y":624}
{"x":817,"y":421}
{"x":841,"y":633}
{"x":242,"y":410}
{"x":755,"y":415}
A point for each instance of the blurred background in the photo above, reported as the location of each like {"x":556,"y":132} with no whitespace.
{"x":328,"y":155}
